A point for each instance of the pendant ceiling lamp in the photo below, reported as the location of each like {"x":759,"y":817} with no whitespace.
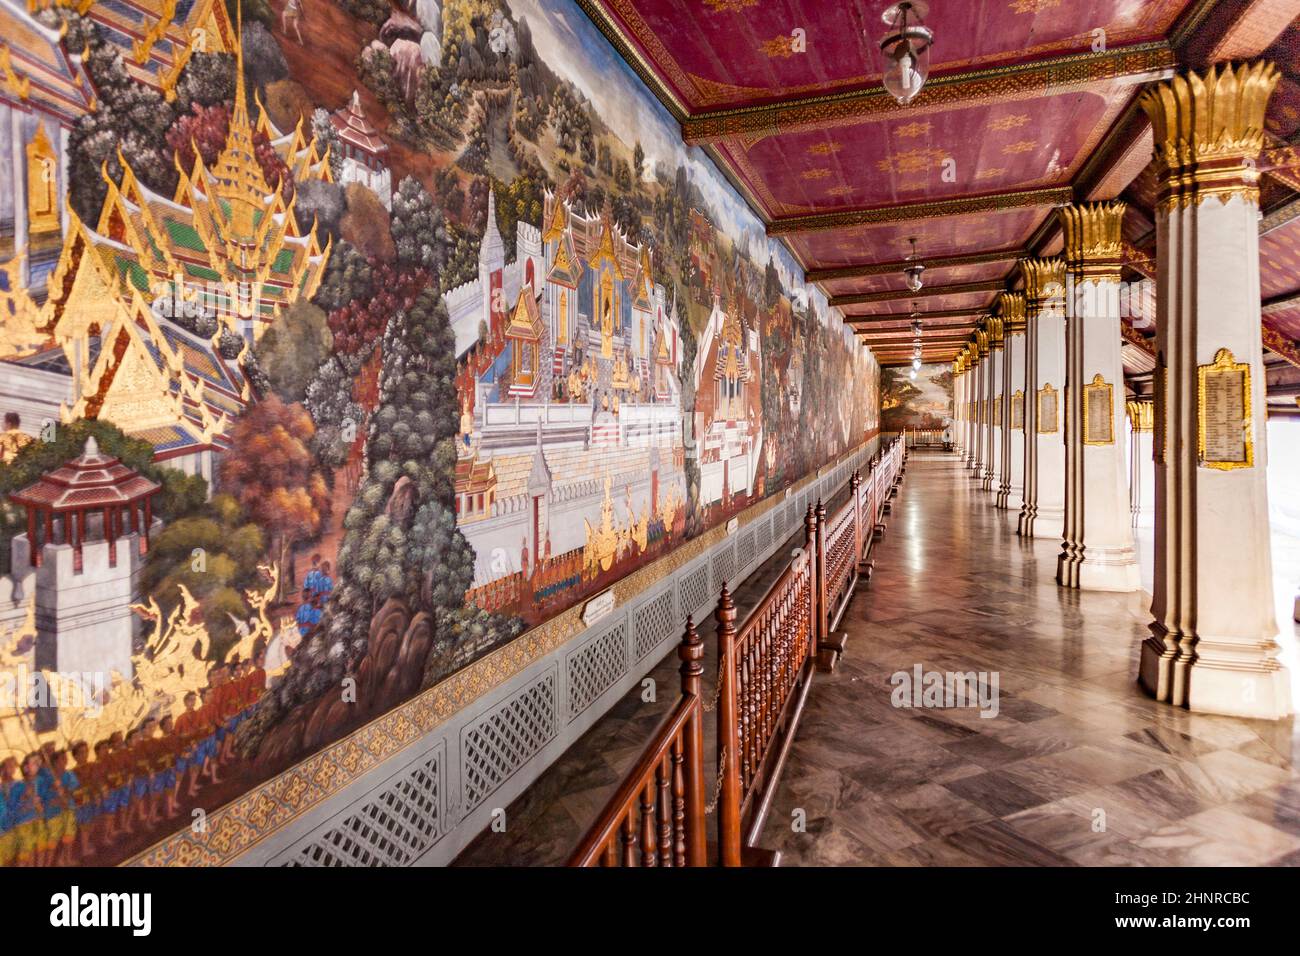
{"x":913,"y":269}
{"x":906,"y":49}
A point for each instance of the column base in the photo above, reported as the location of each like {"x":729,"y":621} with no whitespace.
{"x":1115,"y":570}
{"x":1239,"y":692}
{"x":1156,"y":670}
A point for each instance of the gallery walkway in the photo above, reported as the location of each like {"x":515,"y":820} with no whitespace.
{"x":1077,"y":767}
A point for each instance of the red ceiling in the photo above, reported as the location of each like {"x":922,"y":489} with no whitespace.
{"x":947,"y":275}
{"x":934,"y":237}
{"x":728,"y":53}
{"x":959,"y":152}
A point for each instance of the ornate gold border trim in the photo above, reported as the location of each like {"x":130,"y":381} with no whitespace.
{"x":1099,"y":384}
{"x":1224,"y":361}
{"x":1044,"y":393}
{"x":908,"y":212}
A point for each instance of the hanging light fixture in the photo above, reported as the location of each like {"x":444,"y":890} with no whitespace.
{"x":906,"y":48}
{"x":913,"y":269}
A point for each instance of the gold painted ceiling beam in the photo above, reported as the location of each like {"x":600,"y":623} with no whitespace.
{"x":1281,"y":303}
{"x":1279,"y":216}
{"x":864,"y":269}
{"x":912,"y":211}
{"x":961,"y":288}
{"x":874,"y":317}
{"x":1138,"y":63}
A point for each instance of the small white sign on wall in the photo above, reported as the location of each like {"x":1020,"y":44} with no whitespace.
{"x":598,"y":607}
{"x":733,"y":526}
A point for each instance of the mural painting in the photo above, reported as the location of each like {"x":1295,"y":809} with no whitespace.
{"x":920,"y":401}
{"x":343,"y":341}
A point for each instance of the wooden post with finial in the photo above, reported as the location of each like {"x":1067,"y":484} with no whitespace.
{"x":691,"y":653}
{"x":729,"y":837}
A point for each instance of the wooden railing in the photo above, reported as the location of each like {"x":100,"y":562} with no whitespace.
{"x":765,"y":668}
{"x":764,"y":672}
{"x":657,"y":816}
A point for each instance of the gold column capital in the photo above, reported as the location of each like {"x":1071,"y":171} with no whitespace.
{"x":1011,"y":312}
{"x":982,"y":342}
{"x":1094,"y":241}
{"x":1040,"y":275}
{"x":993,"y":325}
{"x":1209,"y":129}
{"x":1142,"y":414}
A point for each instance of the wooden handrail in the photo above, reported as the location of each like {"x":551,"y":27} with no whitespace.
{"x":765,"y":668}
{"x":656,"y":817}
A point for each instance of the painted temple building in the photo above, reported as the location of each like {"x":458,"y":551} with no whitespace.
{"x":570,"y":391}
{"x":365,"y":154}
{"x":112,"y":342}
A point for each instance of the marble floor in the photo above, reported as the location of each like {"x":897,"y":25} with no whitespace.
{"x":1078,"y":767}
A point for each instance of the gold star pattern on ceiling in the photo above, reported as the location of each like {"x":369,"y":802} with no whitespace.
{"x":825,"y":149}
{"x":1004,"y":123}
{"x":815,"y":174}
{"x":911,"y":130}
{"x":1021,"y":146}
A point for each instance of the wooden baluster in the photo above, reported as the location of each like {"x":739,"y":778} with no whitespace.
{"x":679,"y":800}
{"x":629,"y":840}
{"x":666,"y":801}
{"x":649,"y":852}
{"x":691,"y":654}
{"x":729,"y":836}
{"x":610,"y":856}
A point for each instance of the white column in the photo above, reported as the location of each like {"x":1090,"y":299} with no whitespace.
{"x":993,"y":390}
{"x":1098,"y":552}
{"x":958,"y":403}
{"x":1043,"y":511}
{"x":1213,"y":640}
{"x":1011,"y":309}
{"x":979,"y":433}
{"x":1141,"y":463}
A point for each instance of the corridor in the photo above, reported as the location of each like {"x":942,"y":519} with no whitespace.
{"x":1078,"y":767}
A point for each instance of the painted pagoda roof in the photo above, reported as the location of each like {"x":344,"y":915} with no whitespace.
{"x":353,"y":127}
{"x":35,"y":70}
{"x":526,"y":320}
{"x":93,"y":480}
{"x":157,"y":37}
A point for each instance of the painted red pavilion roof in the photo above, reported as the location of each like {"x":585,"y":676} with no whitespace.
{"x":91,"y":481}
{"x":354,"y":128}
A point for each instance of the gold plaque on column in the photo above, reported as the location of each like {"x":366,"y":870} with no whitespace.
{"x":997,"y":411}
{"x":1223,"y":413}
{"x":1098,"y":412}
{"x":1018,"y":410}
{"x":1049,"y":401}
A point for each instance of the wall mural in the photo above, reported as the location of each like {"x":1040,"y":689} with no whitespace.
{"x":342,"y":342}
{"x":922,"y":402}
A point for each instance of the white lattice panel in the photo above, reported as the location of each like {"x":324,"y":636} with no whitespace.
{"x":694,"y":590}
{"x":745,"y":550}
{"x":653,"y":624}
{"x":391,"y":828}
{"x":594,"y":667}
{"x":763,"y":536}
{"x":724,"y":569}
{"x":502,"y":740}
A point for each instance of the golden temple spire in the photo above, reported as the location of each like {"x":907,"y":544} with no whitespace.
{"x":238,"y":177}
